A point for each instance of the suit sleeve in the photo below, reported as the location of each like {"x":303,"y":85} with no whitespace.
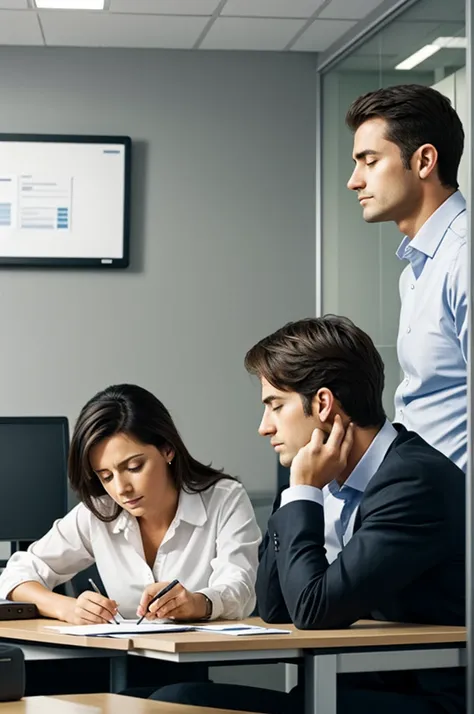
{"x":270,"y":603}
{"x":403,"y":534}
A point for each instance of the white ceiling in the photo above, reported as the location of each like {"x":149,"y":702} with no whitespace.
{"x":298,"y":25}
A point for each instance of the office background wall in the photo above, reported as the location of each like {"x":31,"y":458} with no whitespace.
{"x":222,"y":238}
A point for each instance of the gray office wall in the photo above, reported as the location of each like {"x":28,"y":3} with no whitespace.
{"x":222,"y":238}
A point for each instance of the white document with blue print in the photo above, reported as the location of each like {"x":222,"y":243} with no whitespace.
{"x":240,"y":629}
{"x":129,"y":627}
{"x":124,"y":628}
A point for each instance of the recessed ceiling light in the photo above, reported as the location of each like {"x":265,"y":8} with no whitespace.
{"x":70,"y":4}
{"x":431,"y":49}
{"x":418,"y":57}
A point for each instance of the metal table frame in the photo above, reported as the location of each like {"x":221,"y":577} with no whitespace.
{"x":322,"y":666}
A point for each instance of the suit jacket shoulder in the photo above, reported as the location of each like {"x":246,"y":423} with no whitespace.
{"x":415,"y":482}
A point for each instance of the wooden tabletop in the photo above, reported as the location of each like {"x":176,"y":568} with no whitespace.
{"x":103,"y":703}
{"x":36,"y":631}
{"x":365,"y":633}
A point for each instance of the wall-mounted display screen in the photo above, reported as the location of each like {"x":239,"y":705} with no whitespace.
{"x":64,"y":200}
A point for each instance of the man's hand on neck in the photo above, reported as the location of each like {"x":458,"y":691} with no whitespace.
{"x":323,"y":460}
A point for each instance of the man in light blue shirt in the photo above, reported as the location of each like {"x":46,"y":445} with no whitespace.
{"x":408,"y":142}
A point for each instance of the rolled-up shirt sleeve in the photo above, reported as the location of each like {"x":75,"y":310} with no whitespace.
{"x":54,"y":559}
{"x":234,"y":568}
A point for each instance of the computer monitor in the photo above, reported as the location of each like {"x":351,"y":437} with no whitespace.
{"x":33,"y":475}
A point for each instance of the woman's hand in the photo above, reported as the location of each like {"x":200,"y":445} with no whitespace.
{"x":89,"y":608}
{"x":177,"y":604}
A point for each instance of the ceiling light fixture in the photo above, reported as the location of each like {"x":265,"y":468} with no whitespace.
{"x":70,"y":4}
{"x":428,"y":50}
{"x":456,"y":43}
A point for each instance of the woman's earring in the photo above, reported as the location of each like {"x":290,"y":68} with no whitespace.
{"x":169,"y":463}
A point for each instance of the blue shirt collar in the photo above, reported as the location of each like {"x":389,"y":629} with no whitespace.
{"x":371,"y":460}
{"x":432,"y":232}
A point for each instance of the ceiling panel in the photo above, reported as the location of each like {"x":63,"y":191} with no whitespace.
{"x":19,"y":28}
{"x":271,"y":8}
{"x":353,"y":10}
{"x":109,"y":30}
{"x":321,"y":34}
{"x":165,"y":7}
{"x":13,"y":4}
{"x":250,"y":34}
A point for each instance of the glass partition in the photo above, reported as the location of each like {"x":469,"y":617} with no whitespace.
{"x":360,"y":270}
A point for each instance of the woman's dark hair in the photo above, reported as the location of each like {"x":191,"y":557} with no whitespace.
{"x":415,"y":115}
{"x":331,"y":352}
{"x":131,"y":410}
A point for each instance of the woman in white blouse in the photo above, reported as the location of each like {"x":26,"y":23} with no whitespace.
{"x":149,"y":513}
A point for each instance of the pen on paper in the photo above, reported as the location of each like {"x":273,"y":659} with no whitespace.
{"x":158,"y":595}
{"x":94,"y":587}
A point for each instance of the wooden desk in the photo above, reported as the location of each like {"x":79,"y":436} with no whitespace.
{"x":103,"y":703}
{"x":365,"y":633}
{"x":366,"y":646}
{"x":36,"y":631}
{"x":45,"y":644}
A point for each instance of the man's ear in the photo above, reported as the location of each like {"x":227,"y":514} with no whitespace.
{"x":425,"y":160}
{"x":323,"y":404}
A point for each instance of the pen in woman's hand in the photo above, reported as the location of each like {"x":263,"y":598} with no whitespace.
{"x":157,"y":596}
{"x":96,"y":589}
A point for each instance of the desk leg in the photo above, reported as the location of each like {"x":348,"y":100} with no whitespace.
{"x":320,"y":684}
{"x":117,"y":674}
{"x":291,"y":676}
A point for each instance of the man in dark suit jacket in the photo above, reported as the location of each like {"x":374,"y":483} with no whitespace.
{"x":372,"y":524}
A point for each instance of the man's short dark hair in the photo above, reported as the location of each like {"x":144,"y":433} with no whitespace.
{"x":415,"y":115}
{"x":331,"y":352}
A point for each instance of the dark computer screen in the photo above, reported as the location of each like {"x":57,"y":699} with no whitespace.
{"x":33,"y":475}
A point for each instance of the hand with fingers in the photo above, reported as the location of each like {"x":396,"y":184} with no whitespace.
{"x":90,"y":608}
{"x":177,"y":604}
{"x":321,"y":461}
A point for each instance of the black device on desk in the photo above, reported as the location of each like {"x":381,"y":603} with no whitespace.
{"x":12,"y":673}
{"x":10,"y":610}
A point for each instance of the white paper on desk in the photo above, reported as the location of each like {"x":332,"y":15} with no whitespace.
{"x":124,"y":628}
{"x":240,"y":630}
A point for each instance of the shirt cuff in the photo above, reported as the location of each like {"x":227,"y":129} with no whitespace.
{"x":215,"y":598}
{"x":301,"y":493}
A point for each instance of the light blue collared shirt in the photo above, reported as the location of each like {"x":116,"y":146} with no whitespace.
{"x":432,"y":338}
{"x":341,"y":503}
